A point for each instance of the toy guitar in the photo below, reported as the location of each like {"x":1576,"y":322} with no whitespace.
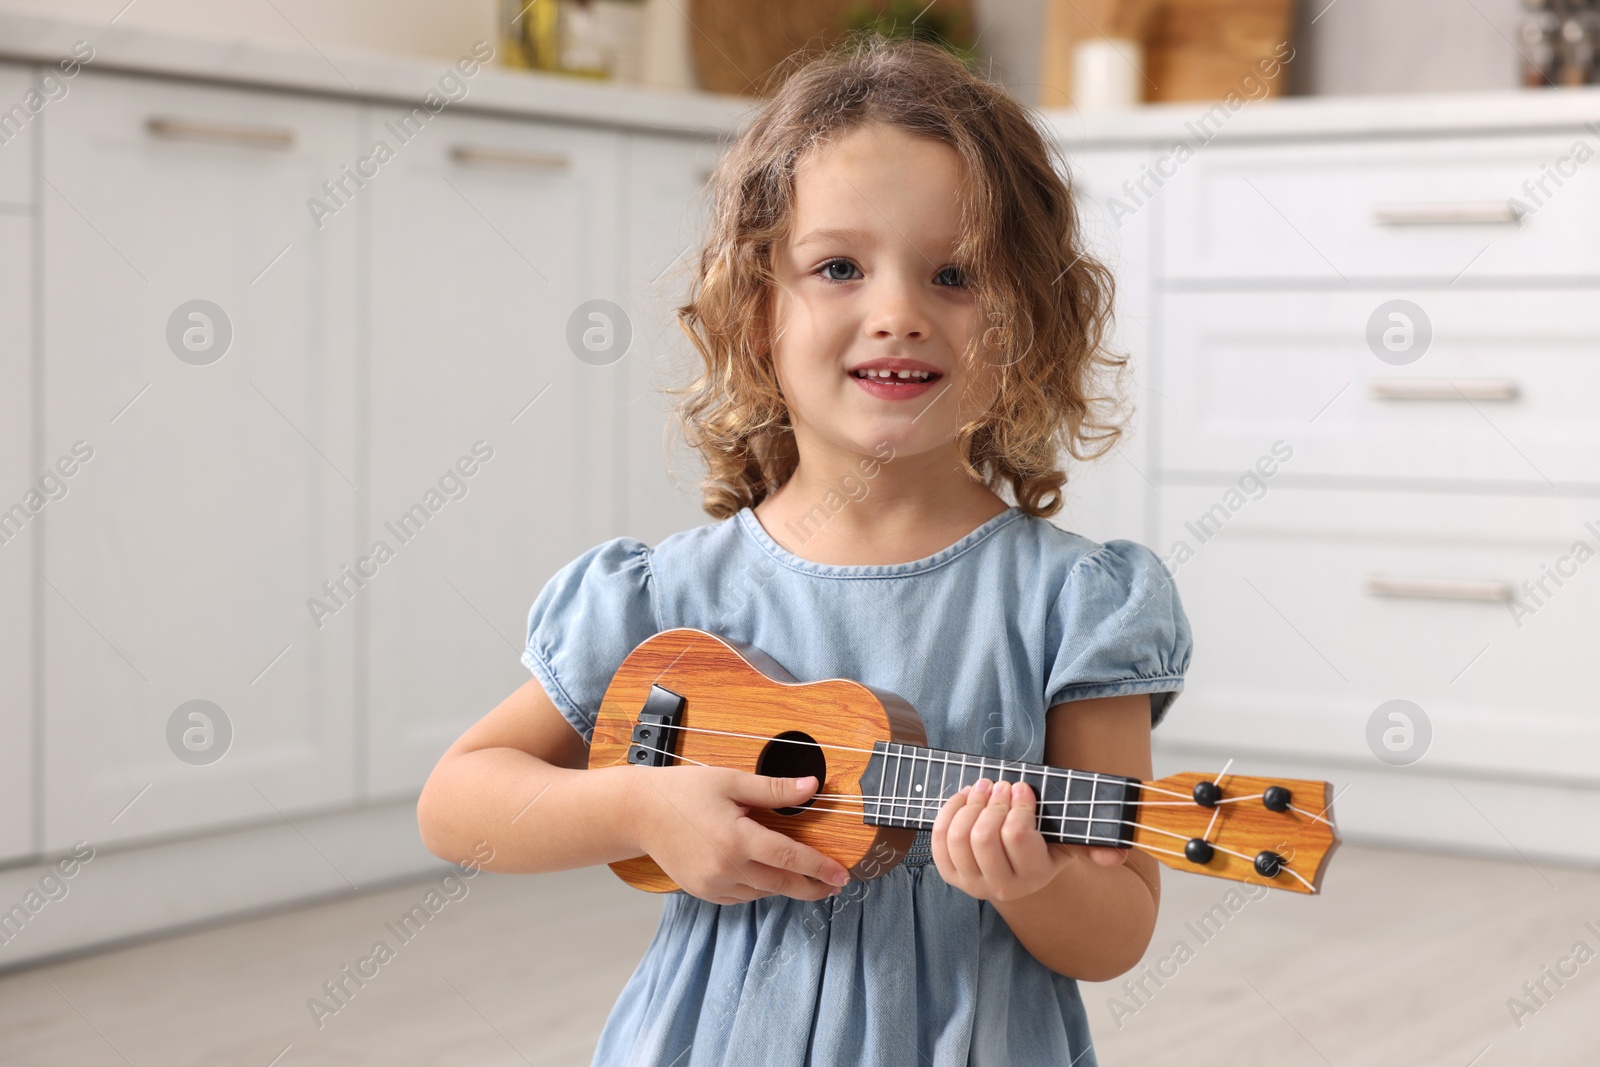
{"x":691,"y":697}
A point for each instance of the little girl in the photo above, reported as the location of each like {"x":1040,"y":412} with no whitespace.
{"x":897,"y":319}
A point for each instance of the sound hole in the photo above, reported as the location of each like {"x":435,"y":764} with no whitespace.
{"x":793,"y":754}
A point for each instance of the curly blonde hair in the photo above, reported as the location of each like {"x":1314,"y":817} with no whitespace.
{"x":1020,"y":245}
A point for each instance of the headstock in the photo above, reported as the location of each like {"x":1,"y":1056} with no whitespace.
{"x":1231,"y":826}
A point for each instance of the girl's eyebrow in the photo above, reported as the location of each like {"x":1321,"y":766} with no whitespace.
{"x":844,"y":234}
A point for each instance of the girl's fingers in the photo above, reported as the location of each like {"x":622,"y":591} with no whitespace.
{"x":742,"y":893}
{"x":1029,"y":851}
{"x":987,"y":847}
{"x":958,"y":839}
{"x":941,"y":829}
{"x":771,"y":881}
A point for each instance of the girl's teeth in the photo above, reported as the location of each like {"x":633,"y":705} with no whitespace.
{"x":889,"y":375}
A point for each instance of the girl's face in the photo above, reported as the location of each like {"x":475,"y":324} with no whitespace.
{"x":866,"y":282}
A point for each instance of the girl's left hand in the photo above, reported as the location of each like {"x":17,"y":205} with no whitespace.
{"x":986,"y":843}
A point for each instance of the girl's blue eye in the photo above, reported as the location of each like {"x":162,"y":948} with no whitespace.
{"x":955,"y":275}
{"x":828,"y":266}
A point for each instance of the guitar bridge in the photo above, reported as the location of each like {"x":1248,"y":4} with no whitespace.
{"x":655,"y":736}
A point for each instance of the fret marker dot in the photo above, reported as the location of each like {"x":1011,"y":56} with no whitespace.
{"x":918,"y":788}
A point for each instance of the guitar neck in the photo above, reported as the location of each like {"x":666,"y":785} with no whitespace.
{"x":906,"y":785}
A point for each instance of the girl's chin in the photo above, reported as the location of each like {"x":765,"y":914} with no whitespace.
{"x":886,"y":440}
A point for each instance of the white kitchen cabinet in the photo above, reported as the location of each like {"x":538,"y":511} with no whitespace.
{"x":1313,"y":607}
{"x":223,"y":488}
{"x":487,"y":236}
{"x":1438,"y":208}
{"x":1503,"y":394}
{"x":25,"y":500}
{"x":1108,"y":498}
{"x":17,"y":137}
{"x":1400,"y":336}
{"x":666,"y":206}
{"x":390,"y":318}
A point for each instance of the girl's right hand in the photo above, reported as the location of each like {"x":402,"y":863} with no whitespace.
{"x":695,"y":824}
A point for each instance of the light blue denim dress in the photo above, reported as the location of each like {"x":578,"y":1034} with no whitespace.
{"x":982,"y":638}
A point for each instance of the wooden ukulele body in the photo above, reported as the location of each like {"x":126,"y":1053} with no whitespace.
{"x":741,"y":690}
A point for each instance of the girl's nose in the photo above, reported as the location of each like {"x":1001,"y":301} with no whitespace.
{"x":897,"y":310}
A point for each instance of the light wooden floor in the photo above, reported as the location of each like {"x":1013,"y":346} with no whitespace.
{"x":1405,"y":959}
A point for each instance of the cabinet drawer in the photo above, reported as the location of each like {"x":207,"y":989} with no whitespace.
{"x":1311,"y":608}
{"x":1426,"y":210}
{"x":1503,"y":392}
{"x":16,"y":136}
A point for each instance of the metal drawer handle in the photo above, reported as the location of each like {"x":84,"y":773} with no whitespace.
{"x":1465,"y":213}
{"x":1439,"y":588}
{"x":468,"y":155}
{"x":177,"y":129}
{"x":1443,"y":389}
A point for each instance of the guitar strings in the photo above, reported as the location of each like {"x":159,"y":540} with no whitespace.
{"x":1216,"y":811}
{"x":929,"y":806}
{"x":1049,"y":774}
{"x":924,"y":803}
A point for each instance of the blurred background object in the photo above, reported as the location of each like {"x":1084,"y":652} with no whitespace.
{"x":738,"y":43}
{"x":1541,"y":44}
{"x":588,"y":38}
{"x":1191,"y":49}
{"x":1342,"y":47}
{"x":668,"y":63}
{"x":1107,"y":53}
{"x":1558,"y":43}
{"x":1198,"y":48}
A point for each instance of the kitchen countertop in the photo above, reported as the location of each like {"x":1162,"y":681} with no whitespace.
{"x":1326,"y":118}
{"x":360,"y":74}
{"x":364,"y":75}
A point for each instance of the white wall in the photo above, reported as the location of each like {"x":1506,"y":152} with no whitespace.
{"x":442,"y":28}
{"x":1380,"y":46}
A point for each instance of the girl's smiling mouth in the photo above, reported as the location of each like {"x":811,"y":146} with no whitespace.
{"x":895,"y":379}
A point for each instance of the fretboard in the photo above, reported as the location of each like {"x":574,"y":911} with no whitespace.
{"x":905,"y":785}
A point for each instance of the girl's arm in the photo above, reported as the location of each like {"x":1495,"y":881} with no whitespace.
{"x":1087,"y":913}
{"x":518,"y":780}
{"x":516,"y":787}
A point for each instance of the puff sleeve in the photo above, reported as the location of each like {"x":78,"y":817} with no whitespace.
{"x":1118,"y":628}
{"x":585,"y":621}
